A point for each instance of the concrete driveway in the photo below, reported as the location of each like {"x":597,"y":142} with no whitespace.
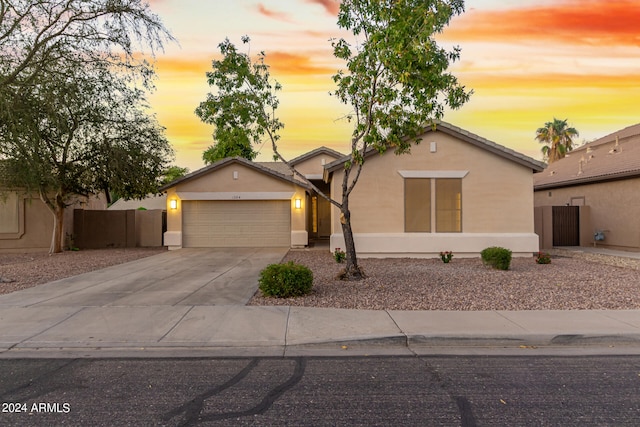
{"x":190,"y":277}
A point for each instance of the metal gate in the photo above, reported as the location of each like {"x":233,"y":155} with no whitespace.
{"x":566,"y":226}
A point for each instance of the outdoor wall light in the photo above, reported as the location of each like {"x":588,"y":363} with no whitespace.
{"x":298,"y":203}
{"x":173,"y":204}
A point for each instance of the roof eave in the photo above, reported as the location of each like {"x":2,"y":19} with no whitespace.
{"x":449,"y":129}
{"x":221,"y":163}
{"x":587,"y":180}
{"x":478,"y":141}
{"x":312,"y":153}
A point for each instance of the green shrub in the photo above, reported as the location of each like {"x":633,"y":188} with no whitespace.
{"x":286,"y":280}
{"x":446,"y":256}
{"x":543,"y":258}
{"x":496,"y":257}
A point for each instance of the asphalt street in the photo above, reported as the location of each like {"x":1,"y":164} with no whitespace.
{"x":313,"y":391}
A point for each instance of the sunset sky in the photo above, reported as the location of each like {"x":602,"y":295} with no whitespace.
{"x":527,"y":62}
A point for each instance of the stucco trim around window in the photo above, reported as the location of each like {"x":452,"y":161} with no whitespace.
{"x":433,"y":174}
{"x":203,"y":195}
{"x":11,"y":216}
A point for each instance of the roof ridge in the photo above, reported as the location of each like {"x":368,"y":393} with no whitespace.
{"x":471,"y":138}
{"x":611,"y":137}
{"x":597,"y":161}
{"x":222,"y":162}
{"x":321,"y":149}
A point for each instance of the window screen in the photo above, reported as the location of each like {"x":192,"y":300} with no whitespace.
{"x":417,"y":205}
{"x":448,"y":205}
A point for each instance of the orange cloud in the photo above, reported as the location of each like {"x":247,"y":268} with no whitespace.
{"x":586,"y":22}
{"x":506,"y":82}
{"x":280,"y":63}
{"x":331,"y":6}
{"x":285,"y":63}
{"x":280,"y":16}
{"x":183,"y":66}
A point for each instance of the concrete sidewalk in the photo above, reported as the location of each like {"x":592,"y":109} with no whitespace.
{"x":288,"y":331}
{"x":136,"y":310}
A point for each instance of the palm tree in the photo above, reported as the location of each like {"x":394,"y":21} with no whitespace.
{"x":558,"y":138}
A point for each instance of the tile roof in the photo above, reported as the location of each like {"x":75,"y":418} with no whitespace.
{"x":614,"y":156}
{"x":319,"y":150}
{"x":279,"y":167}
{"x":471,"y":138}
{"x":268,"y":168}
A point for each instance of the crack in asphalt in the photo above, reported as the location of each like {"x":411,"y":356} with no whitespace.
{"x":465,"y":408}
{"x":192,"y":410}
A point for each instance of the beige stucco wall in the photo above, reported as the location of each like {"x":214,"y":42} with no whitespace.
{"x":249,"y":185}
{"x":497,"y":200}
{"x":27,"y":223}
{"x":34,"y":224}
{"x":315,"y":164}
{"x":614,"y":207}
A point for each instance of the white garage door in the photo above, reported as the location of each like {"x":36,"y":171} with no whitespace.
{"x":236,"y":223}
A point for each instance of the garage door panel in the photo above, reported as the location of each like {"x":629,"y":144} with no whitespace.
{"x":244,"y":223}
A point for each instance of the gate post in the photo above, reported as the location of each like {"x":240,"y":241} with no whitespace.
{"x":586,"y":230}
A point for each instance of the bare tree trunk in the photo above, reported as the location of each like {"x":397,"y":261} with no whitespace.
{"x":58,"y":230}
{"x":352,"y":270}
{"x":56,"y":207}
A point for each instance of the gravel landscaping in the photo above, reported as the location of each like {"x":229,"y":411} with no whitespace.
{"x":21,"y":271}
{"x":579,"y":282}
{"x":573,"y":280}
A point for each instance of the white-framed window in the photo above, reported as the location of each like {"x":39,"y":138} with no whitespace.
{"x":448,"y":205}
{"x":11,"y":215}
{"x":432,"y":205}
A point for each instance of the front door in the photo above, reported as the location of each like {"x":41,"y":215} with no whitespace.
{"x":324,"y":218}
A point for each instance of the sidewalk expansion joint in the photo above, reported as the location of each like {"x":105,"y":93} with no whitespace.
{"x":404,"y":334}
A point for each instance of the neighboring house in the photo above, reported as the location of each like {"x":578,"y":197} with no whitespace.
{"x":591,"y":196}
{"x":26,"y":224}
{"x":235,"y":202}
{"x":455,"y":192}
{"x":151,"y":202}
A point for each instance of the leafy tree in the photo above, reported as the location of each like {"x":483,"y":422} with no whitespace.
{"x":172,"y":173}
{"x":235,"y":110}
{"x":79,"y":136}
{"x":229,"y":143}
{"x":72,"y":118}
{"x":558,"y":139}
{"x":38,"y":35}
{"x":396,"y":83}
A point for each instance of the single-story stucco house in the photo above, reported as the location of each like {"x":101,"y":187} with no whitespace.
{"x":456,"y":191}
{"x":591,"y":196}
{"x":26,"y":223}
{"x":235,"y":202}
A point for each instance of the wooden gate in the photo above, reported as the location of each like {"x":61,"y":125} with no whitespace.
{"x":566,"y":226}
